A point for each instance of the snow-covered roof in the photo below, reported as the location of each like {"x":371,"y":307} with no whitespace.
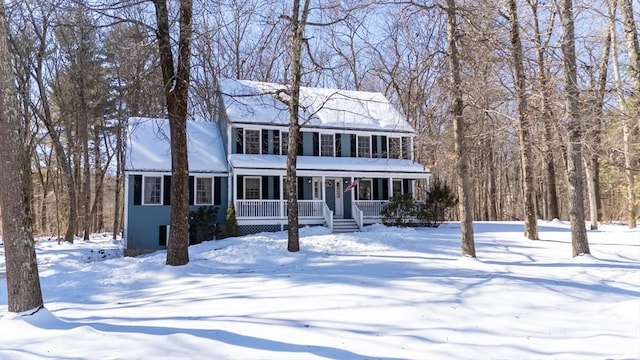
{"x":346,"y":165}
{"x":250,"y":102}
{"x":148,"y":146}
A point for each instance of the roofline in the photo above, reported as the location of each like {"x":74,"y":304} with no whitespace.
{"x":259,"y":124}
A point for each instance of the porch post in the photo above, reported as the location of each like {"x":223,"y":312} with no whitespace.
{"x":234,"y":191}
{"x":324,"y":190}
{"x":353,"y":190}
{"x":282,"y":215}
{"x":390,"y":188}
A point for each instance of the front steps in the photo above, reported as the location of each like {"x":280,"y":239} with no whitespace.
{"x":344,"y":225}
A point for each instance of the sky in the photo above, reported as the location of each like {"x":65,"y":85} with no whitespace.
{"x":383,"y":293}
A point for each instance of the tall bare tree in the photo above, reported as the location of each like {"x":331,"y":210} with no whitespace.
{"x":575,"y":172}
{"x":530,"y":226}
{"x":633,"y":50}
{"x":23,"y":282}
{"x":541,"y":45}
{"x":298,"y":21}
{"x":176,"y":88}
{"x":462,"y":160}
{"x":626,"y":109}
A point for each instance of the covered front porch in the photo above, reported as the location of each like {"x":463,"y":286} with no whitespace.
{"x":324,"y":192}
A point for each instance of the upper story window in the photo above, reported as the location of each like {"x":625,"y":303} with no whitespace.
{"x":395,"y":148}
{"x":204,"y":191}
{"x":251,"y":141}
{"x":327,"y":145}
{"x":152,"y":190}
{"x":364,"y":146}
{"x":284,"y":143}
{"x":406,"y":148}
{"x":252,"y":188}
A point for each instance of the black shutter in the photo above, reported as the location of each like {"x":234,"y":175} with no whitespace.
{"x":384,"y":146}
{"x":217,"y":191}
{"x":162,"y":235}
{"x":191,"y":190}
{"x":300,"y":145}
{"x":240,"y":188}
{"x":137,"y":189}
{"x":338,"y":145}
{"x":166,"y":196}
{"x":276,"y":187}
{"x":405,"y":186}
{"x":265,"y":187}
{"x":385,"y":189}
{"x":375,"y":183}
{"x":374,"y":146}
{"x":300,"y":188}
{"x":265,"y":141}
{"x":276,"y":142}
{"x":239,"y":141}
{"x":316,"y":144}
{"x":353,"y":145}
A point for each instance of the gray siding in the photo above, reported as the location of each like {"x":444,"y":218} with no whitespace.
{"x":144,"y":221}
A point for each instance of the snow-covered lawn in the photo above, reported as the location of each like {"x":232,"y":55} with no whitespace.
{"x":385,"y":293}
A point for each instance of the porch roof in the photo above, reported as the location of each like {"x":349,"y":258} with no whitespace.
{"x":332,"y":166}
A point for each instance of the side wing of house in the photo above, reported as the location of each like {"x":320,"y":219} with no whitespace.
{"x":148,"y":179}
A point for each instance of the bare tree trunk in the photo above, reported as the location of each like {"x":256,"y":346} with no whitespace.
{"x":575,"y":172}
{"x":591,"y":191}
{"x":119,"y":174}
{"x":553,"y":211}
{"x":624,"y":118}
{"x":23,"y":281}
{"x":84,"y":147}
{"x":633,"y":50}
{"x":530,"y":225}
{"x":176,"y":87}
{"x":592,"y":161}
{"x":64,"y":159}
{"x":298,"y":23}
{"x":462,"y":157}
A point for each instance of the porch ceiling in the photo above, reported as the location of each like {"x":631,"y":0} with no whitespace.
{"x":330,"y":166}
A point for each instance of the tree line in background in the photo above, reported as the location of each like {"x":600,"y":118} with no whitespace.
{"x":517,"y":105}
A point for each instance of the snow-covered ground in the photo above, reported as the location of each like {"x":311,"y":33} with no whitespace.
{"x":385,"y":293}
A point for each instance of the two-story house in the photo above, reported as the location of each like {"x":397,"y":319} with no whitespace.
{"x":347,"y":137}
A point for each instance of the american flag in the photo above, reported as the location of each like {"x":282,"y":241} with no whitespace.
{"x":352,"y":185}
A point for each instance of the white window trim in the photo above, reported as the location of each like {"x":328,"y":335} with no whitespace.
{"x":144,"y":185}
{"x":244,"y":187}
{"x":399,"y":138}
{"x":401,"y":186}
{"x":409,"y":150}
{"x":211,"y":195}
{"x":370,"y":181}
{"x":358,"y":146}
{"x":244,"y":141}
{"x":333,"y":144}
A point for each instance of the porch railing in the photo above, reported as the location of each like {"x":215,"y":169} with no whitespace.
{"x":258,"y":208}
{"x":328,"y":215}
{"x":306,"y":208}
{"x":357,"y":215}
{"x":371,"y":208}
{"x":269,"y":209}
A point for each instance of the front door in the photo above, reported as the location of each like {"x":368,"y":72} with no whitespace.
{"x":333,"y":189}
